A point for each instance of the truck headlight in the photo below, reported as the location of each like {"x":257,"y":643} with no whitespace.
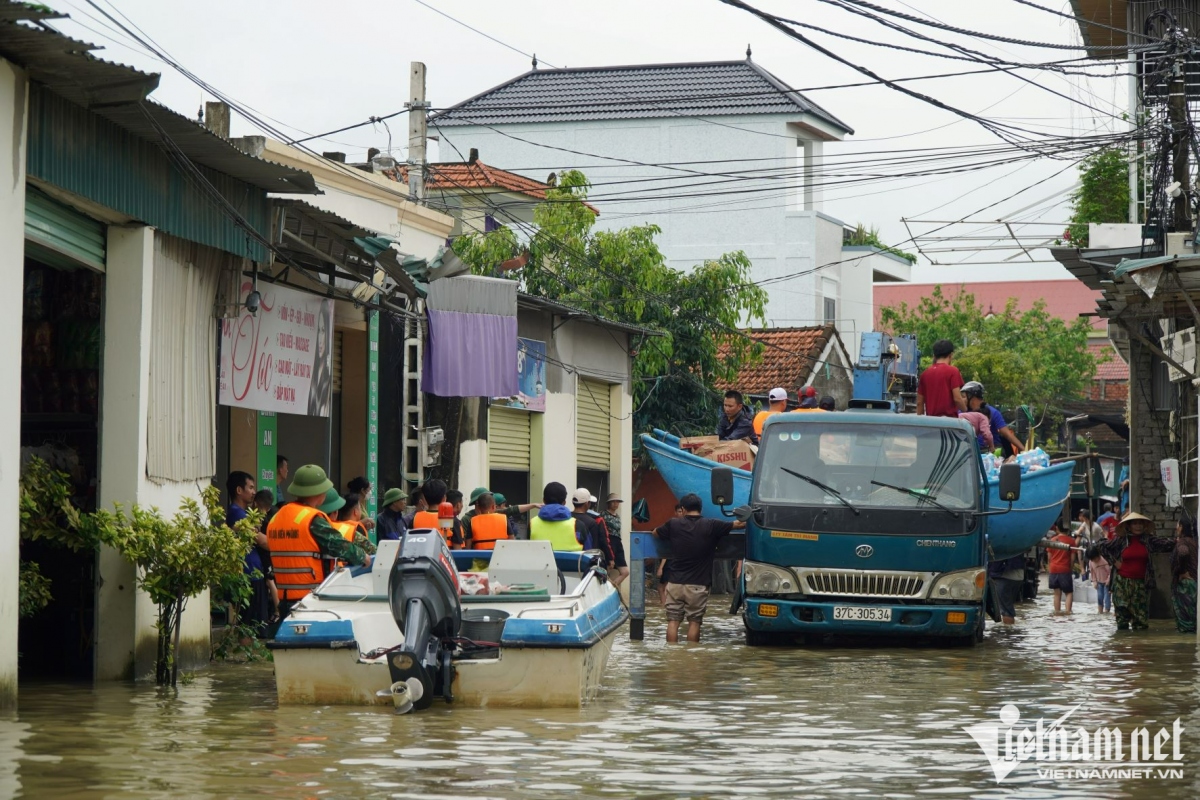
{"x":769,"y":579}
{"x":963,"y":585}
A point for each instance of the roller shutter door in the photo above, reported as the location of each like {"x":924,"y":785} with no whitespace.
{"x":337,"y":361}
{"x":594,"y":435}
{"x":60,"y":236}
{"x":508,"y":439}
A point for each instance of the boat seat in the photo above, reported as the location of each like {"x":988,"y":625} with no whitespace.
{"x":522,"y":561}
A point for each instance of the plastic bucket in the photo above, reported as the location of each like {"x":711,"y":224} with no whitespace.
{"x":483,"y":624}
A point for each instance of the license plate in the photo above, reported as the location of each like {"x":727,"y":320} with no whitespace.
{"x":862,"y":613}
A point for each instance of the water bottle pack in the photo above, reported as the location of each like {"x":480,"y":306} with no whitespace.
{"x":1029,"y":461}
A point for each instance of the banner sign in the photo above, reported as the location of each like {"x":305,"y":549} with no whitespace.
{"x":266,"y":451}
{"x":280,"y":359}
{"x":531,"y":377}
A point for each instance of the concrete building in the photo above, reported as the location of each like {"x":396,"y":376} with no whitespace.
{"x":722,"y":156}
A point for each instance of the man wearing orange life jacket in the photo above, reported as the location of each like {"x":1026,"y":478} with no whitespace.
{"x":301,"y":538}
{"x":350,"y":522}
{"x":487,"y":526}
{"x":434,"y":493}
{"x":778,"y":403}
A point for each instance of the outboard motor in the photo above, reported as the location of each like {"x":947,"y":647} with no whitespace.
{"x":423,"y":592}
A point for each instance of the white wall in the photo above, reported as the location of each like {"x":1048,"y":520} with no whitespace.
{"x":760,"y":216}
{"x":125,"y":636}
{"x":13,"y":106}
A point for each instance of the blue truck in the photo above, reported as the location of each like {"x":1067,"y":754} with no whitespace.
{"x":868,"y":523}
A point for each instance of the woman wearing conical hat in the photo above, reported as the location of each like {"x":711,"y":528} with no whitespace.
{"x":1130,"y":552}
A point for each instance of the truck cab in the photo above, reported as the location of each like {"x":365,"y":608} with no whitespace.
{"x":866,"y":523}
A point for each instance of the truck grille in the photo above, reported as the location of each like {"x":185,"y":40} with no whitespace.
{"x":864,"y":583}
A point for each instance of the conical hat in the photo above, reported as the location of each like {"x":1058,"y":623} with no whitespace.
{"x":1130,"y":517}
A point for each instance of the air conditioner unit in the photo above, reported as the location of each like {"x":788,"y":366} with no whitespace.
{"x":1180,"y":346}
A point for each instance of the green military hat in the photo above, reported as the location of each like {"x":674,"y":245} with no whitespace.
{"x":500,"y":499}
{"x":478,"y":492}
{"x":309,"y":481}
{"x":392,"y":495}
{"x":332,"y":502}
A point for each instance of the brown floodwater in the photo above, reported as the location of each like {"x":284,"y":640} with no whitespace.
{"x":714,"y":720}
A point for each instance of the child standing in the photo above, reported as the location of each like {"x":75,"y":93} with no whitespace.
{"x":1101,"y":575}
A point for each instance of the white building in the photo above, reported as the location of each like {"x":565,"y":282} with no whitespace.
{"x":720,"y":155}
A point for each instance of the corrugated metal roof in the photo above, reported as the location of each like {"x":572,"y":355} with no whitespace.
{"x":117,"y":92}
{"x":648,"y":91}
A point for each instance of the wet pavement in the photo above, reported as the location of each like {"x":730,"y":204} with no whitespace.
{"x":717,"y":719}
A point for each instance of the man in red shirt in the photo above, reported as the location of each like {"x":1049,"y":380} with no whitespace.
{"x":1060,"y":567}
{"x":938,"y":389}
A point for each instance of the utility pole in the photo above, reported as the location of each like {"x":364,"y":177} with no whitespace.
{"x":416,"y":131}
{"x":1180,"y":142}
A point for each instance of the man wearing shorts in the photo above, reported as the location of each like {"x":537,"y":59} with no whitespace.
{"x":694,"y":542}
{"x":1060,"y":568}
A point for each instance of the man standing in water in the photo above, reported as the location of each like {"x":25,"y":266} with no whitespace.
{"x":694,"y":542}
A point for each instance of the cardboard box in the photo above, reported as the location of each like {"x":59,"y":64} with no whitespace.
{"x":737,"y":454}
{"x":694,"y":443}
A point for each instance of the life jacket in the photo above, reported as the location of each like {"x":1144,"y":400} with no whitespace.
{"x":487,"y":529}
{"x":347,"y":529}
{"x":560,"y":533}
{"x":295,"y":555}
{"x":760,"y":418}
{"x":425,"y":519}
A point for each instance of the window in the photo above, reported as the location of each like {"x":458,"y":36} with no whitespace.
{"x":830,"y":310}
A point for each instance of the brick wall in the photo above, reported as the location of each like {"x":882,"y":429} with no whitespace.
{"x":1108,"y":390}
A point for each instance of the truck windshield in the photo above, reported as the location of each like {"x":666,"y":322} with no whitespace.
{"x":868,"y":466}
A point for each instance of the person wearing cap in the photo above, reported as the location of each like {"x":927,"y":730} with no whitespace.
{"x":1130,"y":552}
{"x":938,"y":388}
{"x":502,"y":507}
{"x":612,"y":520}
{"x":827,"y":403}
{"x":808,"y":400}
{"x":350,"y":522}
{"x":777,"y":400}
{"x":301,"y":537}
{"x":590,"y":531}
{"x":389,"y":523}
{"x":972,"y":391}
{"x":735,"y":422}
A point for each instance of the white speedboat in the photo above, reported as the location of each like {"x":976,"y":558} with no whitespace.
{"x":403,"y":633}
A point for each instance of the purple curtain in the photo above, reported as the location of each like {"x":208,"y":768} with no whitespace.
{"x":470,"y":355}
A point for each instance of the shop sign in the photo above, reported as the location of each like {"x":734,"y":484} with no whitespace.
{"x":280,"y":359}
{"x":373,"y":411}
{"x":531,"y":377}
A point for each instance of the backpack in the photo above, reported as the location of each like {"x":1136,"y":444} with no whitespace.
{"x":586,"y":534}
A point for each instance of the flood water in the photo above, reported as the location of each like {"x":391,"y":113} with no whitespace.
{"x":714,"y":720}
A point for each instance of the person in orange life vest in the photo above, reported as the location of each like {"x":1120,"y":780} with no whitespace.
{"x":300,"y":537}
{"x":350,"y":522}
{"x":433,"y":492}
{"x":778,"y":402}
{"x":363,"y":488}
{"x":417,"y":504}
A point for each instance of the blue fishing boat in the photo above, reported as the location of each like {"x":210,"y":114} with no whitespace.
{"x":1043,"y":492}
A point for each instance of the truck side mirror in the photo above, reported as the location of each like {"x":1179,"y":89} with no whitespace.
{"x":722,"y":486}
{"x":1010,"y":482}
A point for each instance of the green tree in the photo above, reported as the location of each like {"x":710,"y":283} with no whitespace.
{"x":1103,"y":193}
{"x":623,"y":276}
{"x":1021,"y":357}
{"x":179,"y":558}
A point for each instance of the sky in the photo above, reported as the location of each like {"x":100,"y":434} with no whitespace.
{"x":310,"y":67}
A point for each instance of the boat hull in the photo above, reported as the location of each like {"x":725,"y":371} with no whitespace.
{"x":532,"y":677}
{"x":685,"y":473}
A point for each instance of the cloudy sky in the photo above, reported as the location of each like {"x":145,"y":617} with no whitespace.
{"x":310,"y":67}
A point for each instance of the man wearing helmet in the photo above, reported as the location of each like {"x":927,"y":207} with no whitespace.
{"x":973,"y":392}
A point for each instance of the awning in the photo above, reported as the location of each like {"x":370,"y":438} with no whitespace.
{"x":471,"y":349}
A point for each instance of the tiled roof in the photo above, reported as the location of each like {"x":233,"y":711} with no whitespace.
{"x":1065,"y":299}
{"x":462,"y":175}
{"x":1115,"y":368}
{"x":787,"y":360}
{"x":647,"y":91}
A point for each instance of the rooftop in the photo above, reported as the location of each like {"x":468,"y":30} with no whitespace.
{"x":469,"y":176}
{"x":1065,"y":299}
{"x":644,"y":91}
{"x":787,"y":361}
{"x":1115,"y":368}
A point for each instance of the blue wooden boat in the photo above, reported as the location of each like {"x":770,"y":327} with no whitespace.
{"x":1042,"y":493}
{"x":685,"y":472}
